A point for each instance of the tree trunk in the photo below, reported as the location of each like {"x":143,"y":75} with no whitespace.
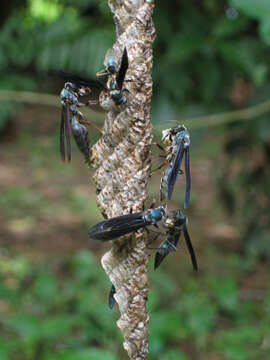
{"x":122,"y":161}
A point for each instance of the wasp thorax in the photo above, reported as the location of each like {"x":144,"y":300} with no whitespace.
{"x":183,"y":136}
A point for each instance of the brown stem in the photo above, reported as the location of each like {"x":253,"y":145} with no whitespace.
{"x":122,"y":161}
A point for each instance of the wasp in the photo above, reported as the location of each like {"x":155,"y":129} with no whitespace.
{"x":103,"y":96}
{"x":178,"y":140}
{"x":175,"y":224}
{"x":116,"y":79}
{"x":111,"y":299}
{"x":125,"y":224}
{"x":71,"y":121}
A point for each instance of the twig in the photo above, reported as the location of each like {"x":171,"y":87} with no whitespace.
{"x":246,"y":114}
{"x":122,"y":161}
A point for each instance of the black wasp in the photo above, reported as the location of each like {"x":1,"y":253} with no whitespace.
{"x":125,"y":224}
{"x":178,"y":140}
{"x":116,"y":79}
{"x":103,"y":96}
{"x":71,"y":121}
{"x":122,"y":225}
{"x":175,"y":224}
{"x":100,"y":97}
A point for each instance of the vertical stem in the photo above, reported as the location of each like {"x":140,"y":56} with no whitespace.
{"x":122,"y":161}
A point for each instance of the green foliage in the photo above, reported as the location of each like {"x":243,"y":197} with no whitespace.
{"x":51,"y":34}
{"x":206,"y":50}
{"x":247,"y":187}
{"x":257,"y":9}
{"x":238,"y":344}
{"x":59,"y":310}
{"x":57,"y":318}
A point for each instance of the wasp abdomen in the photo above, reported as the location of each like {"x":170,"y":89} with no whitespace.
{"x":81,"y":137}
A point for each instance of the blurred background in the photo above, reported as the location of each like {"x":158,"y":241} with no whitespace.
{"x":210,"y":57}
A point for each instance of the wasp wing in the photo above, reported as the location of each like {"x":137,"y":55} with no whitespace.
{"x":175,"y":168}
{"x":122,"y":70}
{"x":111,"y":299}
{"x":190,"y":249}
{"x":116,"y":227}
{"x":77,"y":80}
{"x":62,"y":134}
{"x":65,"y":133}
{"x":188,"y":181}
{"x":165,"y":248}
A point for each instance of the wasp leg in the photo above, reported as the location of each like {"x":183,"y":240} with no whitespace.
{"x":90,"y":123}
{"x":159,"y":146}
{"x":102,"y":73}
{"x":158,"y":168}
{"x":152,"y":241}
{"x":154,"y":231}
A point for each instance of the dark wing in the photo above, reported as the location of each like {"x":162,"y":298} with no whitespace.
{"x":122,"y":70}
{"x":111,"y":299}
{"x":190,"y":249}
{"x":188,"y":182}
{"x":175,"y":238}
{"x":175,"y":168}
{"x":65,"y":133}
{"x":62,"y":134}
{"x":165,"y":248}
{"x":75,"y":79}
{"x":116,"y":227}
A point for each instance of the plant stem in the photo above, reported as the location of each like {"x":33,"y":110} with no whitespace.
{"x":122,"y":161}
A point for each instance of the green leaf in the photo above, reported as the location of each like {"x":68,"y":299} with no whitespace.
{"x":166,"y":325}
{"x":184,"y":45}
{"x":54,"y":326}
{"x":226,"y":27}
{"x":174,"y":355}
{"x":238,"y":344}
{"x":226,"y":292}
{"x":258,"y":8}
{"x":45,"y":286}
{"x":4,"y":353}
{"x":265,"y":29}
{"x":86,"y":354}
